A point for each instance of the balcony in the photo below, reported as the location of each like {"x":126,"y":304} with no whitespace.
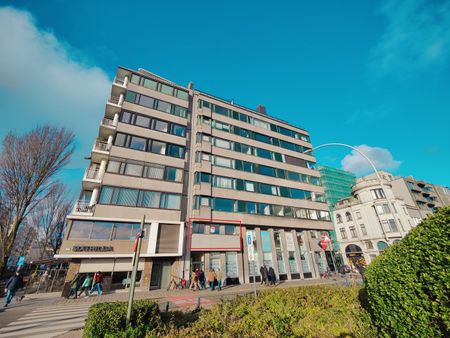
{"x":100,"y":151}
{"x":101,"y":146}
{"x":115,"y":100}
{"x":83,"y":207}
{"x":107,"y":127}
{"x":121,"y":81}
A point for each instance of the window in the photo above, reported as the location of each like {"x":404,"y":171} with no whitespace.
{"x":120,"y":140}
{"x":106,"y":195}
{"x":127,"y":197}
{"x":80,"y":230}
{"x":164,"y":106}
{"x":221,"y":143}
{"x":124,"y":231}
{"x":377,"y":193}
{"x":293,"y":176}
{"x":358,"y":215}
{"x":101,"y":230}
{"x":130,"y":97}
{"x":348,"y":216}
{"x":264,"y":170}
{"x":248,"y":167}
{"x":249,"y":186}
{"x":223,"y":162}
{"x":264,"y":209}
{"x":173,"y":174}
{"x":150,"y":199}
{"x":133,"y":169}
{"x":221,"y":110}
{"x":410,"y":185}
{"x":135,"y":79}
{"x":389,"y":225}
{"x":182,"y":95}
{"x":230,"y":229}
{"x":126,"y":117}
{"x":263,"y":153}
{"x":165,"y":89}
{"x":223,"y":204}
{"x":353,"y":232}
{"x":137,"y":143}
{"x":382,"y":209}
{"x":343,"y":233}
{"x":261,"y":124}
{"x":369,"y":244}
{"x":198,"y":228}
{"x":297,"y":194}
{"x":178,"y":130}
{"x":338,"y":218}
{"x":156,"y":172}
{"x":267,"y":189}
{"x":170,"y":201}
{"x":214,"y":229}
{"x":175,"y":151}
{"x":150,"y":84}
{"x":142,"y":121}
{"x":146,"y":101}
{"x":223,"y":182}
{"x":363,"y":229}
{"x":262,"y":138}
{"x":161,"y":126}
{"x":179,"y":111}
{"x":114,"y":166}
{"x":158,"y":147}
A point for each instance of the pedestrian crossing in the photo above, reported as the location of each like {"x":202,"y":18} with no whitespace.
{"x":48,"y":321}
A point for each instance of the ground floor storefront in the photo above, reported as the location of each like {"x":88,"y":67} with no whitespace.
{"x":293,"y":254}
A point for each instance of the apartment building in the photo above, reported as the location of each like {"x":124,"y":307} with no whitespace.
{"x":366,"y":223}
{"x":418,"y":193}
{"x":204,"y":172}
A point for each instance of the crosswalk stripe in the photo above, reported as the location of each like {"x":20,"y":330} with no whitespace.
{"x":47,"y":335}
{"x":54,"y":312}
{"x":28,"y":331}
{"x":54,"y":316}
{"x":46,"y":319}
{"x":22,"y":326}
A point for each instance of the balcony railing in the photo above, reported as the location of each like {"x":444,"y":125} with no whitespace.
{"x":108,"y":122}
{"x":119,"y":81}
{"x":114,"y":99}
{"x":101,"y":146}
{"x":93,"y":174}
{"x":82,"y":206}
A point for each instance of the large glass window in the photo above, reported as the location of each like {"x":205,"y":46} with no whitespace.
{"x":171,"y":201}
{"x":175,"y":151}
{"x":138,"y":143}
{"x":290,"y":246}
{"x":304,"y":253}
{"x":120,"y":140}
{"x":178,"y":130}
{"x":230,"y":229}
{"x":173,"y":174}
{"x":127,"y":197}
{"x":165,"y":89}
{"x":223,"y":182}
{"x":161,"y":126}
{"x":146,"y":101}
{"x":101,"y":230}
{"x":264,"y":170}
{"x":164,"y":106}
{"x":133,"y":169}
{"x":264,"y":153}
{"x":279,"y":251}
{"x":150,"y":84}
{"x":198,"y":228}
{"x":155,"y":172}
{"x":223,"y":204}
{"x":158,"y":147}
{"x":124,"y":231}
{"x":142,"y":121}
{"x":264,"y":209}
{"x":106,"y":195}
{"x":150,"y":199}
{"x":80,"y":230}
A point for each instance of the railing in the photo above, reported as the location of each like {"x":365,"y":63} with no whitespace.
{"x":93,"y":174}
{"x":108,"y":122}
{"x":101,"y":146}
{"x":82,"y":206}
{"x":114,"y":99}
{"x":119,"y":81}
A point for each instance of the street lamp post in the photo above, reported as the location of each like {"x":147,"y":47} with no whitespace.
{"x":333,"y":144}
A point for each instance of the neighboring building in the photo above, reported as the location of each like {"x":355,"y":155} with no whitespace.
{"x":365,"y":223}
{"x":338,"y":185}
{"x":205,"y":172}
{"x":417,"y":193}
{"x":443,"y":194}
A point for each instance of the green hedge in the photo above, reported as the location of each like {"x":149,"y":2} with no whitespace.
{"x":312,"y":311}
{"x":108,"y":319}
{"x":408,"y":285}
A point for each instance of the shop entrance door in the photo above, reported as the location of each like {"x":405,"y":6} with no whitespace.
{"x":160,"y":275}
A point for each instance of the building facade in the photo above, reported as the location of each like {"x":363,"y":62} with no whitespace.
{"x":365,"y":223}
{"x":338,"y":185}
{"x":204,"y":172}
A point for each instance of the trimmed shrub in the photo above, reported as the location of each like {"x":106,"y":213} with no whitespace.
{"x":313,"y":311}
{"x":109,"y":319}
{"x":408,"y":285}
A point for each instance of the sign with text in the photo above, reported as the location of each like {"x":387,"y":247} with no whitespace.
{"x":251,"y":250}
{"x":93,"y":248}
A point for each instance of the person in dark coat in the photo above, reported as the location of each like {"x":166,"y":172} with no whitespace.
{"x":263,"y":272}
{"x":12,"y":285}
{"x":272,"y":277}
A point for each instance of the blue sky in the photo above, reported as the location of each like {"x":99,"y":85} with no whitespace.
{"x":373,"y":74}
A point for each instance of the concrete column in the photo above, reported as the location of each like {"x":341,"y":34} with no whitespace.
{"x":244,"y":257}
{"x":274,"y":254}
{"x":206,"y":267}
{"x":147,"y":274}
{"x":223,"y":263}
{"x":241,"y":267}
{"x":298,"y":256}
{"x":259,"y":249}
{"x":110,"y":141}
{"x":121,"y":100}
{"x":116,"y":119}
{"x":94,"y":197}
{"x":125,"y":81}
{"x":74,"y":267}
{"x":285,"y":254}
{"x":307,"y":240}
{"x":102,"y":169}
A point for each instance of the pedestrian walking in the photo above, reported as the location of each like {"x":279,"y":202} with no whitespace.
{"x":219,"y":280}
{"x":74,"y":286}
{"x":272,"y":276}
{"x":85,"y":286}
{"x":212,"y":278}
{"x":98,"y":281}
{"x":202,"y":279}
{"x":194,"y":281}
{"x":45,"y":280}
{"x":263,"y":272}
{"x":11,"y":287}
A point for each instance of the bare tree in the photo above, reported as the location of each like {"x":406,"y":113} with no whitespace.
{"x":27,"y":165}
{"x":49,"y":219}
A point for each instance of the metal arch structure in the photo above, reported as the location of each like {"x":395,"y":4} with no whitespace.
{"x":336,"y":144}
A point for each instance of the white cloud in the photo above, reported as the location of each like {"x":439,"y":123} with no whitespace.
{"x":381,"y":157}
{"x":417,"y":36}
{"x":41,"y":81}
